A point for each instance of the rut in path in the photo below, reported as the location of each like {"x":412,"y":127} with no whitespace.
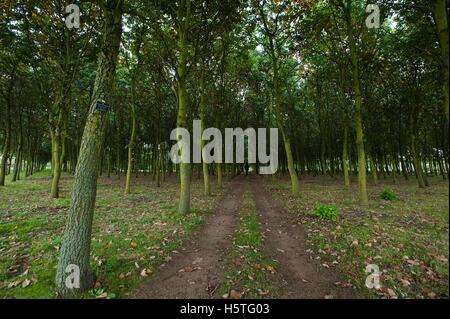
{"x":205,"y":254}
{"x":297,"y":275}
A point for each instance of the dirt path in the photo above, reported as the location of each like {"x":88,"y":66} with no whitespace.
{"x":298,"y":276}
{"x":202,"y":261}
{"x":198,"y":270}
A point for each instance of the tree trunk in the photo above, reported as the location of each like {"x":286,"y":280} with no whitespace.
{"x":345,"y":157}
{"x":206,"y":183}
{"x":18,"y":162}
{"x":413,"y":144}
{"x":7,"y":140}
{"x":75,"y":248}
{"x":441,"y":20}
{"x":56,"y":161}
{"x":295,"y":187}
{"x":373,"y":168}
{"x":362,"y":190}
{"x":184,"y":13}
{"x":132,"y":139}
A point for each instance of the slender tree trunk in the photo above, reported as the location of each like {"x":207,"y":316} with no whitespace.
{"x":158,"y":167}
{"x":56,"y":144}
{"x":7,"y":140}
{"x":132,"y":140}
{"x":295,"y":187}
{"x":345,"y":158}
{"x":18,"y":162}
{"x":134,"y":78}
{"x":184,"y":14}
{"x":5,"y":152}
{"x":373,"y":168}
{"x":441,"y":19}
{"x":413,"y":144}
{"x":362,"y":188}
{"x":206,"y":183}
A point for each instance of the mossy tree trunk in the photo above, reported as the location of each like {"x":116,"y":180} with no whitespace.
{"x":18,"y":162}
{"x":295,"y":187}
{"x":76,"y":243}
{"x":362,"y":188}
{"x":184,"y":14}
{"x":206,"y":183}
{"x":134,"y":77}
{"x":345,"y":157}
{"x":8,"y":96}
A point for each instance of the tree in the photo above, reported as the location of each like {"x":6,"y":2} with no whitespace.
{"x":275,"y":28}
{"x":75,"y":248}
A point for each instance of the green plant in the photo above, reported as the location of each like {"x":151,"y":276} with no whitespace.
{"x":388,"y":194}
{"x":329,"y":212}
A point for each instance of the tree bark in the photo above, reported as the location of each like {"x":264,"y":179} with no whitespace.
{"x":75,"y":248}
{"x":206,"y":183}
{"x":184,"y":13}
{"x":362,"y":188}
{"x":441,"y":20}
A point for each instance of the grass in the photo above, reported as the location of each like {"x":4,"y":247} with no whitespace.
{"x":132,"y":234}
{"x":248,"y":268}
{"x":408,"y":238}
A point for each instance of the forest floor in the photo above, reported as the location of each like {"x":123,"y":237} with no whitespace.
{"x":250,"y":240}
{"x":132,"y":234}
{"x":407,"y":238}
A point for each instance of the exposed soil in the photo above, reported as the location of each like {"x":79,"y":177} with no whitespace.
{"x":198,"y":270}
{"x":298,"y":276}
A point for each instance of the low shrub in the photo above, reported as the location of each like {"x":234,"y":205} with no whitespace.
{"x":388,"y":194}
{"x":329,"y":212}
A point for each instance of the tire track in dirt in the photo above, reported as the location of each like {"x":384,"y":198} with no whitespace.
{"x":204,"y":254}
{"x":297,"y":276}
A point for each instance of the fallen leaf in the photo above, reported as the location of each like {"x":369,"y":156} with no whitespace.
{"x":431,"y":295}
{"x":146,"y":271}
{"x":188,"y":269}
{"x":405,"y":282}
{"x":270,"y":269}
{"x":262,"y":292}
{"x":413,"y":262}
{"x":14,"y":284}
{"x":391,"y":293}
{"x":102,"y":296}
{"x":26,"y":283}
{"x":441,"y":258}
{"x":235,"y":294}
